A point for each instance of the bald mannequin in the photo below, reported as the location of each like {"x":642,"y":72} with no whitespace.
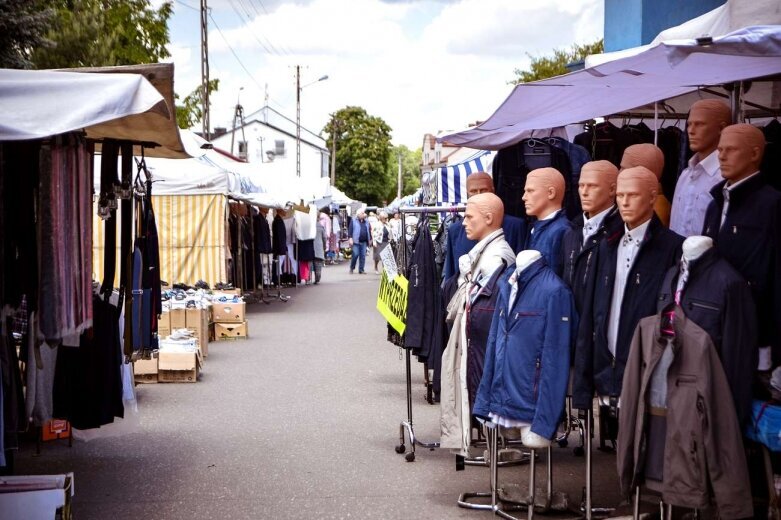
{"x":744,"y":220}
{"x":484,"y":215}
{"x":741,"y":148}
{"x":651,"y":157}
{"x":707,"y":118}
{"x":597,"y":187}
{"x":544,"y":192}
{"x":543,"y":195}
{"x":458,"y":243}
{"x":636,"y":195}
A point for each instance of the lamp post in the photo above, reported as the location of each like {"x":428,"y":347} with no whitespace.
{"x":299,"y":88}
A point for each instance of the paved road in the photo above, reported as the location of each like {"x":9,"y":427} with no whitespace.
{"x":299,"y":421}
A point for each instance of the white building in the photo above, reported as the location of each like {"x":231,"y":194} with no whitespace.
{"x":270,"y":138}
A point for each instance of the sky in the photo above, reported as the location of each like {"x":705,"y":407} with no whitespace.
{"x":423,"y":66}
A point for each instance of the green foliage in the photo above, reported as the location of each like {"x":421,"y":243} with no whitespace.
{"x":190,"y":111}
{"x":410,"y":171}
{"x":363,"y":153}
{"x":23,"y":25}
{"x":97,"y":33}
{"x":549,"y":66}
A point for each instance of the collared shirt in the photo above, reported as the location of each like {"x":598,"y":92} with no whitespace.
{"x":726,"y":191}
{"x":475,"y":254}
{"x":547,"y":217}
{"x":692,"y":194}
{"x":592,"y":225}
{"x":625,"y":259}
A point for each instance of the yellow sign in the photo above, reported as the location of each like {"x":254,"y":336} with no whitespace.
{"x":392,"y":301}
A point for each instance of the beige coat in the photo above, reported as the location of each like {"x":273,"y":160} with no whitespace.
{"x":703,"y":445}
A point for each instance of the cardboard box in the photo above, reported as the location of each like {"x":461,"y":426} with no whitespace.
{"x":178,"y":367}
{"x":198,"y":320}
{"x":223,"y":331}
{"x":178,"y":318}
{"x":228,"y":312}
{"x":164,"y":325}
{"x":145,"y":370}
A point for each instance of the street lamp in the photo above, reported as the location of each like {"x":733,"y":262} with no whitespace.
{"x":299,"y":88}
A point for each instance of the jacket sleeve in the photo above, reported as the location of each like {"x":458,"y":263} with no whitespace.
{"x":627,"y":417}
{"x":739,"y":345}
{"x":554,"y":362}
{"x":482,"y":404}
{"x":583,"y":364}
{"x":413,"y":332}
{"x":451,"y":262}
{"x":724,"y":453}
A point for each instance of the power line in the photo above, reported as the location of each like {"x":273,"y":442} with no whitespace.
{"x":247,"y":17}
{"x":234,"y":52}
{"x":187,"y":5}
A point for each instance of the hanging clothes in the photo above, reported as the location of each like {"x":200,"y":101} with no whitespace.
{"x":422,"y":333}
{"x":279,"y":233}
{"x":703,"y":451}
{"x":88,"y":379}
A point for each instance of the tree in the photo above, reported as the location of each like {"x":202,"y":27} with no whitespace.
{"x":97,"y":33}
{"x":363,"y":152}
{"x":23,"y":25}
{"x":410,"y":171}
{"x":190,"y":111}
{"x":549,"y":66}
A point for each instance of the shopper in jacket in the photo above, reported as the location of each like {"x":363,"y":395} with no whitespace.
{"x":360,"y":233}
{"x":702,"y":447}
{"x":744,"y":220}
{"x":459,"y":244}
{"x":631,"y":267}
{"x":543,"y":195}
{"x":527,"y":356}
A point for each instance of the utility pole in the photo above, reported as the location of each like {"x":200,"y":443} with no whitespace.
{"x":398,"y":191}
{"x":298,"y":121}
{"x":238,"y":117}
{"x":205,"y":71}
{"x":333,"y":151}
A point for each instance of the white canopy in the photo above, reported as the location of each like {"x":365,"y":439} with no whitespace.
{"x":662,"y":72}
{"x":40,"y":103}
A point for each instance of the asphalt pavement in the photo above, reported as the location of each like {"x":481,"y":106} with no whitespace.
{"x":300,"y":420}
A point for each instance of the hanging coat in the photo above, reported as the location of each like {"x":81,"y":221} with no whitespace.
{"x":703,"y":448}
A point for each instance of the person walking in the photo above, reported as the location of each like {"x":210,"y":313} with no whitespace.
{"x":359,"y":232}
{"x":320,"y":248}
{"x":380,"y":239}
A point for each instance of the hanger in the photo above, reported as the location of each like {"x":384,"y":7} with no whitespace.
{"x":538,"y":147}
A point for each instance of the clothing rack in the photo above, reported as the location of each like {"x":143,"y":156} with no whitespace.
{"x":408,"y":425}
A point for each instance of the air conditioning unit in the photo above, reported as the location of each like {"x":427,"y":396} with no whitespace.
{"x":279,"y":147}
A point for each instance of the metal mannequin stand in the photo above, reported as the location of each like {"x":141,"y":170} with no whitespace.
{"x":501,"y":506}
{"x":587,"y":507}
{"x":665,"y":510}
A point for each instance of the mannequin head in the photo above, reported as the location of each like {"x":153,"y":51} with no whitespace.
{"x":544,"y":192}
{"x":597,"y":186}
{"x":644,"y":154}
{"x":526,"y":258}
{"x":484,"y":214}
{"x":635,"y":195}
{"x":479,"y":182}
{"x":740,"y":151}
{"x":694,"y":247}
{"x":706,"y":119}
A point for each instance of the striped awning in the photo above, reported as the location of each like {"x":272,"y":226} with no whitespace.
{"x":452,"y":179}
{"x":192,"y":237}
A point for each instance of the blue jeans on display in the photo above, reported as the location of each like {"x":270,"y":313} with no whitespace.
{"x":359,"y":253}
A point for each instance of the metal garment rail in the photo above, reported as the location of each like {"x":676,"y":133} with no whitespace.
{"x":408,"y":425}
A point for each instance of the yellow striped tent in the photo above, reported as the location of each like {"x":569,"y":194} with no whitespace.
{"x":191,"y":230}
